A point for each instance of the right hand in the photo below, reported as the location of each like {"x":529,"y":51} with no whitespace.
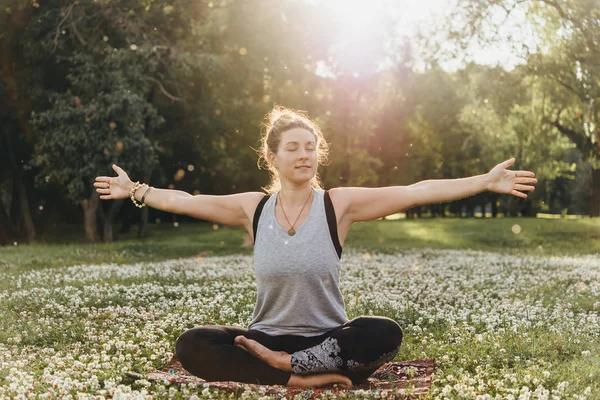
{"x":114,"y":188}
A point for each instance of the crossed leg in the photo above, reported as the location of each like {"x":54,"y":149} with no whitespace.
{"x":282,"y":360}
{"x":345,"y":355}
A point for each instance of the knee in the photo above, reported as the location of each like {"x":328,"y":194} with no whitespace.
{"x":384,"y":330}
{"x":192,"y":341}
{"x":185,"y":344}
{"x":390,"y":332}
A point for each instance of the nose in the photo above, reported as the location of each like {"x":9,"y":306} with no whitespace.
{"x":303,"y":154}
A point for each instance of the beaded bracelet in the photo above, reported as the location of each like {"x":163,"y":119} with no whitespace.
{"x":135,"y":187}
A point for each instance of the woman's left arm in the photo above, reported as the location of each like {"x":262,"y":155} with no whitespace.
{"x":364,"y":204}
{"x":498,"y":180}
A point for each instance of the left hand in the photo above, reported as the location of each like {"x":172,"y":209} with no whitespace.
{"x":502,"y":180}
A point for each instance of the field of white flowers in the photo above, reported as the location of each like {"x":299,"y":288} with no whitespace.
{"x":498,"y":326}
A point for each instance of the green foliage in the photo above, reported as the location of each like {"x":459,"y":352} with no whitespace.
{"x":101,"y":119}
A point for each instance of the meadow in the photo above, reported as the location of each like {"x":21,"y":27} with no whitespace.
{"x":508,"y":308}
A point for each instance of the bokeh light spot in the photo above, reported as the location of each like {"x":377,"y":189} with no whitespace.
{"x":179,"y":175}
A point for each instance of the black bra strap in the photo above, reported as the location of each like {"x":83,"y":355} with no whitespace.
{"x":332,"y":222}
{"x":257,"y":213}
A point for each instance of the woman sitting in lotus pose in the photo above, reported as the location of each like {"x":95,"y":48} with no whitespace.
{"x":299,"y":334}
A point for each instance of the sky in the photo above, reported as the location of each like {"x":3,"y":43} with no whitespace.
{"x":362,"y":21}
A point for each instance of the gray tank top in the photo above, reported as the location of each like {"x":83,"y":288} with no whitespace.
{"x":297,"y":277}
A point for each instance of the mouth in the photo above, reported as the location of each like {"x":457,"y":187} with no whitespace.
{"x":304,"y":166}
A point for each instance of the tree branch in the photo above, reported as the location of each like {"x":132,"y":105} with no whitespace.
{"x":60,"y":24}
{"x":581,"y":140}
{"x":163,"y":90}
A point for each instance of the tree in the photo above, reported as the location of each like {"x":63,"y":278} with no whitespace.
{"x":567,"y":64}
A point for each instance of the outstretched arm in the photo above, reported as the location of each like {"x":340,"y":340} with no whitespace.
{"x":364,"y":204}
{"x":498,"y":180}
{"x":231,"y":209}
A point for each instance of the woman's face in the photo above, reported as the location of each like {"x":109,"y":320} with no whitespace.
{"x":296,"y":158}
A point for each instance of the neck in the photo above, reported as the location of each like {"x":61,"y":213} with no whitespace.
{"x":295,"y":196}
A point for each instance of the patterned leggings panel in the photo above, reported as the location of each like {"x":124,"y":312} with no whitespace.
{"x":355,"y":349}
{"x":363,"y":344}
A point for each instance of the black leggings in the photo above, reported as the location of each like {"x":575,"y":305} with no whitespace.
{"x":355,"y":349}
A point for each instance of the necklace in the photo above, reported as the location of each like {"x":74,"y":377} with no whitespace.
{"x":291,"y":231}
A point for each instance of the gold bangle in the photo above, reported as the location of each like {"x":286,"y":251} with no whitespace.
{"x":145,"y":193}
{"x":135,"y":187}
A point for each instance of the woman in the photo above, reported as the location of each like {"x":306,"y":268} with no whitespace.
{"x":299,"y":334}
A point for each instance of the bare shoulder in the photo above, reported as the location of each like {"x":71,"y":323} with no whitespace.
{"x":249,"y":201}
{"x":340,"y":198}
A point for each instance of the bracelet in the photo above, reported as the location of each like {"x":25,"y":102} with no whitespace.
{"x":135,"y":187}
{"x":145,"y":193}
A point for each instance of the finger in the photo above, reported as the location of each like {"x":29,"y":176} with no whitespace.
{"x":101,"y":185}
{"x":524,"y":187}
{"x":106,"y":197}
{"x":117,"y":169}
{"x":103,"y":191}
{"x":508,"y":163}
{"x":522,"y":174}
{"x":102,"y":178}
{"x":525,"y":180}
{"x":518,"y":194}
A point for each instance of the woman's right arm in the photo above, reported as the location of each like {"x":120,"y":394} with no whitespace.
{"x":235,"y":209}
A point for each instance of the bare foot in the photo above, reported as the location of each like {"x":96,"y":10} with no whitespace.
{"x":319,"y":380}
{"x":278,"y":359}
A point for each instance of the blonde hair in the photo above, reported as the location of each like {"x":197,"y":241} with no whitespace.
{"x":279,"y":120}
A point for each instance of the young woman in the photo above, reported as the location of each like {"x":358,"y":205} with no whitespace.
{"x":299,"y":334}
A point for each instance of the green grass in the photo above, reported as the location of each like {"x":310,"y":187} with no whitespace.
{"x":536,"y":236}
{"x":53,"y":312}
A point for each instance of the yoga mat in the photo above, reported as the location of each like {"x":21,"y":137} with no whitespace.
{"x":401,"y":380}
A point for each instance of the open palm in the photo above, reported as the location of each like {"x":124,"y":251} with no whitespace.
{"x":114,"y":188}
{"x":502,"y":180}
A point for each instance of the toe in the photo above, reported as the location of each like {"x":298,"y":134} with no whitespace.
{"x":239,"y":339}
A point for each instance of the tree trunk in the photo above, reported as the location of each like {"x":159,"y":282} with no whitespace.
{"x":494,"y":208}
{"x":7,"y":230}
{"x":90,"y":222}
{"x":143,"y":227}
{"x":470,"y":211}
{"x":20,"y":193}
{"x":595,"y":194}
{"x":24,"y":206}
{"x":108,"y":219}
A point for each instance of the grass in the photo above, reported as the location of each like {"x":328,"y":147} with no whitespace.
{"x":500,"y":304}
{"x":164,"y":242}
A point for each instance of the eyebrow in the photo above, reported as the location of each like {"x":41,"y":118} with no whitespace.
{"x":311,"y":142}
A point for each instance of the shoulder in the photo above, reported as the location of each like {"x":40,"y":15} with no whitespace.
{"x":250,"y":200}
{"x":341,"y":197}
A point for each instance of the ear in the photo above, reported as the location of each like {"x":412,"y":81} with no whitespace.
{"x":271,"y":159}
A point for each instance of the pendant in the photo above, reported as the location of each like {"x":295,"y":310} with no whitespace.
{"x":291,"y":232}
